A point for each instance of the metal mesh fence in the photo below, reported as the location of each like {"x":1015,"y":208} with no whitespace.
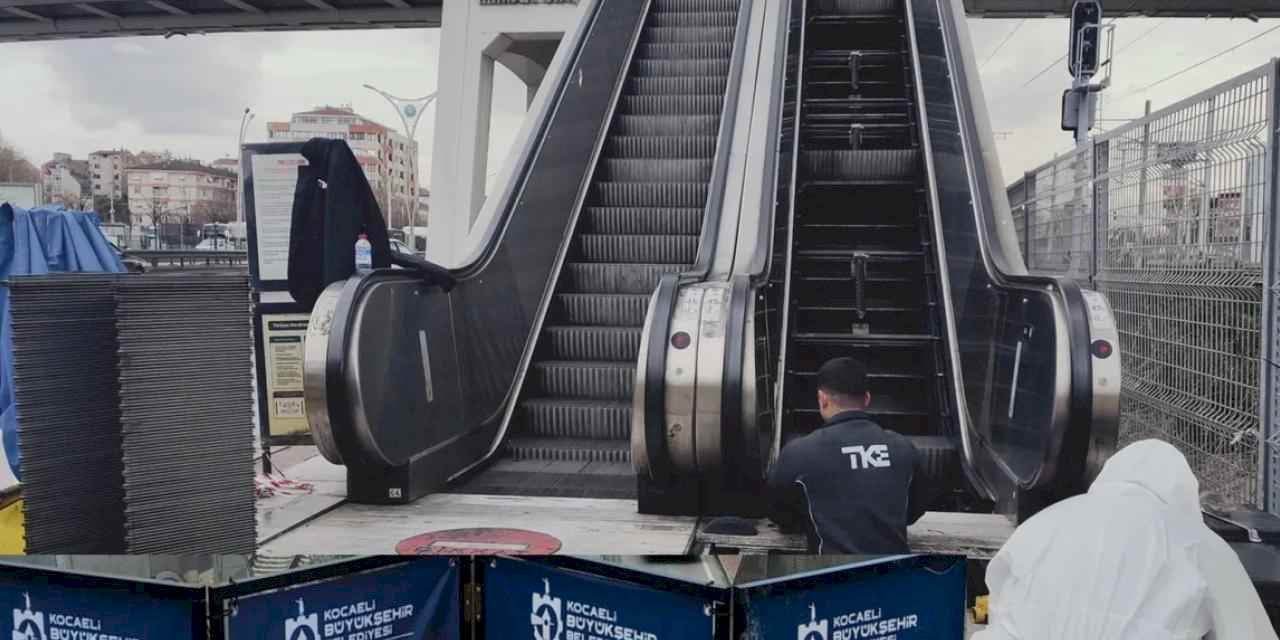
{"x":1165,"y":216}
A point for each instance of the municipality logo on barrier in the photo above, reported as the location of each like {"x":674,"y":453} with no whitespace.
{"x":548,"y":615}
{"x":28,"y":624}
{"x":304,"y":627}
{"x":814,"y":629}
{"x":863,"y":623}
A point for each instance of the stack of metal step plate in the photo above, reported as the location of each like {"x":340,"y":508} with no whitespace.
{"x":65,"y":392}
{"x":186,"y":408}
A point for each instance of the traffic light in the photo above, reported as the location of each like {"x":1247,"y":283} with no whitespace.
{"x":1086,"y":37}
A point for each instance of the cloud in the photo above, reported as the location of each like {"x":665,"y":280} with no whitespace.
{"x":185,"y":85}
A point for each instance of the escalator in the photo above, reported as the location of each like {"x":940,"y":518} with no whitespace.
{"x":882,"y":237}
{"x":863,"y":276}
{"x":642,"y":219}
{"x":518,"y":381}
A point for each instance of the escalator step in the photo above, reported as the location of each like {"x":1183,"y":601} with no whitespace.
{"x":577,"y":419}
{"x":650,"y":194}
{"x":855,"y":7}
{"x":643,"y":220}
{"x":878,"y":164}
{"x":671,"y":105}
{"x":656,"y":170}
{"x":687,"y":34}
{"x":666,"y":126}
{"x":692,"y":67}
{"x":660,"y":146}
{"x":571,"y":449}
{"x":677,"y":85}
{"x":609,"y":344}
{"x":653,"y":249}
{"x":615,"y":278}
{"x":694,"y":6}
{"x":615,"y":310}
{"x":686,"y":51}
{"x":694,"y":19}
{"x":595,"y":380}
{"x":941,"y":456}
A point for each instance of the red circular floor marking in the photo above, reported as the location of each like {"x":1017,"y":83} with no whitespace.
{"x":479,"y":541}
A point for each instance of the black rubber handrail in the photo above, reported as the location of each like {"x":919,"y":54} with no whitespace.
{"x":999,"y":265}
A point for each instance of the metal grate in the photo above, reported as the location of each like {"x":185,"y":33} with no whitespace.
{"x":68,"y":420}
{"x":187,"y":412}
{"x":1165,"y":216}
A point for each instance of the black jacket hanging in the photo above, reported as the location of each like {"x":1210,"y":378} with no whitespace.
{"x":333,"y":204}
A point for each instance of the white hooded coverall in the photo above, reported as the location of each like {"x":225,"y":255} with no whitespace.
{"x":1129,"y":560}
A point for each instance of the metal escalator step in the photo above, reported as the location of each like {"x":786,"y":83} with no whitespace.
{"x":615,"y":278}
{"x":652,"y":249}
{"x":609,"y":344}
{"x":694,"y":6}
{"x":940,"y":455}
{"x":877,"y":164}
{"x":595,"y":380}
{"x":694,"y":19}
{"x":643,"y":220}
{"x":687,"y":34}
{"x":671,"y":105}
{"x":660,"y":146}
{"x":650,"y":194}
{"x":655,"y":169}
{"x":692,"y":67}
{"x":565,"y":419}
{"x":573,"y":449}
{"x":684,"y":51}
{"x":614,"y":310}
{"x":677,"y":85}
{"x":665,"y":126}
{"x":881,"y":339}
{"x":855,"y":7}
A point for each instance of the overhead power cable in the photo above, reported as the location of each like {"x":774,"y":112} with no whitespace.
{"x":1006,"y":40}
{"x":1203,"y":62}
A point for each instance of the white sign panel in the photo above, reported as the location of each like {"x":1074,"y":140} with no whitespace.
{"x":274,"y":178}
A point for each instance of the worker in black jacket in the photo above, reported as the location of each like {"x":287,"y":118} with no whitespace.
{"x":852,"y":485}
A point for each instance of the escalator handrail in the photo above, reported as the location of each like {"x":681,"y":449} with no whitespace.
{"x":794,"y":177}
{"x":1004,"y":269}
{"x":527,"y":153}
{"x":667,"y":291}
{"x":724,"y":142}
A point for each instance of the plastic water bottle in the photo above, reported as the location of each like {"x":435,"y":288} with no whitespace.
{"x":364,"y":254}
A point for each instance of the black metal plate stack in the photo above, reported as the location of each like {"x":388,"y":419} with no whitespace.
{"x":187,"y":412}
{"x":65,"y":377}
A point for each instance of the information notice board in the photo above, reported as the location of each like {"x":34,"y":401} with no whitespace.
{"x":270,"y":179}
{"x":418,"y":600}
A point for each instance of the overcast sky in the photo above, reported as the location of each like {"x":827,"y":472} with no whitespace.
{"x":186,"y":94}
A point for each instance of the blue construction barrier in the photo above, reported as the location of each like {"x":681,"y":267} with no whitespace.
{"x":415,"y":599}
{"x":537,"y":599}
{"x":37,"y":242}
{"x":905,"y":598}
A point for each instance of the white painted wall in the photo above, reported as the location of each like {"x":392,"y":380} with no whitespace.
{"x":471,"y":37}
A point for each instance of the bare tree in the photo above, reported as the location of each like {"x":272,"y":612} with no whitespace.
{"x":14,"y":166}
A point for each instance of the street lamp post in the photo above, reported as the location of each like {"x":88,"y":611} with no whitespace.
{"x":244,"y":126}
{"x":410,"y":111}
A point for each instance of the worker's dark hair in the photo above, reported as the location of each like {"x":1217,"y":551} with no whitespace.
{"x":843,"y":377}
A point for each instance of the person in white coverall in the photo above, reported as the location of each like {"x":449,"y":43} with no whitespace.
{"x":1129,"y":560}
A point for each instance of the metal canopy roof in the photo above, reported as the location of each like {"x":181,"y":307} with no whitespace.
{"x":1128,"y":8}
{"x":63,"y":19}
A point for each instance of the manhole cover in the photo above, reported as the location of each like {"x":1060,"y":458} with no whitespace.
{"x":479,"y":541}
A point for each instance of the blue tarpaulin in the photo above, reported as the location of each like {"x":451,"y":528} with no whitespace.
{"x":37,"y":242}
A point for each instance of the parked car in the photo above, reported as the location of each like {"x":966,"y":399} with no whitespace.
{"x":131,"y":264}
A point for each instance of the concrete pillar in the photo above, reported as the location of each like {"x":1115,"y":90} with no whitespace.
{"x":521,"y":37}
